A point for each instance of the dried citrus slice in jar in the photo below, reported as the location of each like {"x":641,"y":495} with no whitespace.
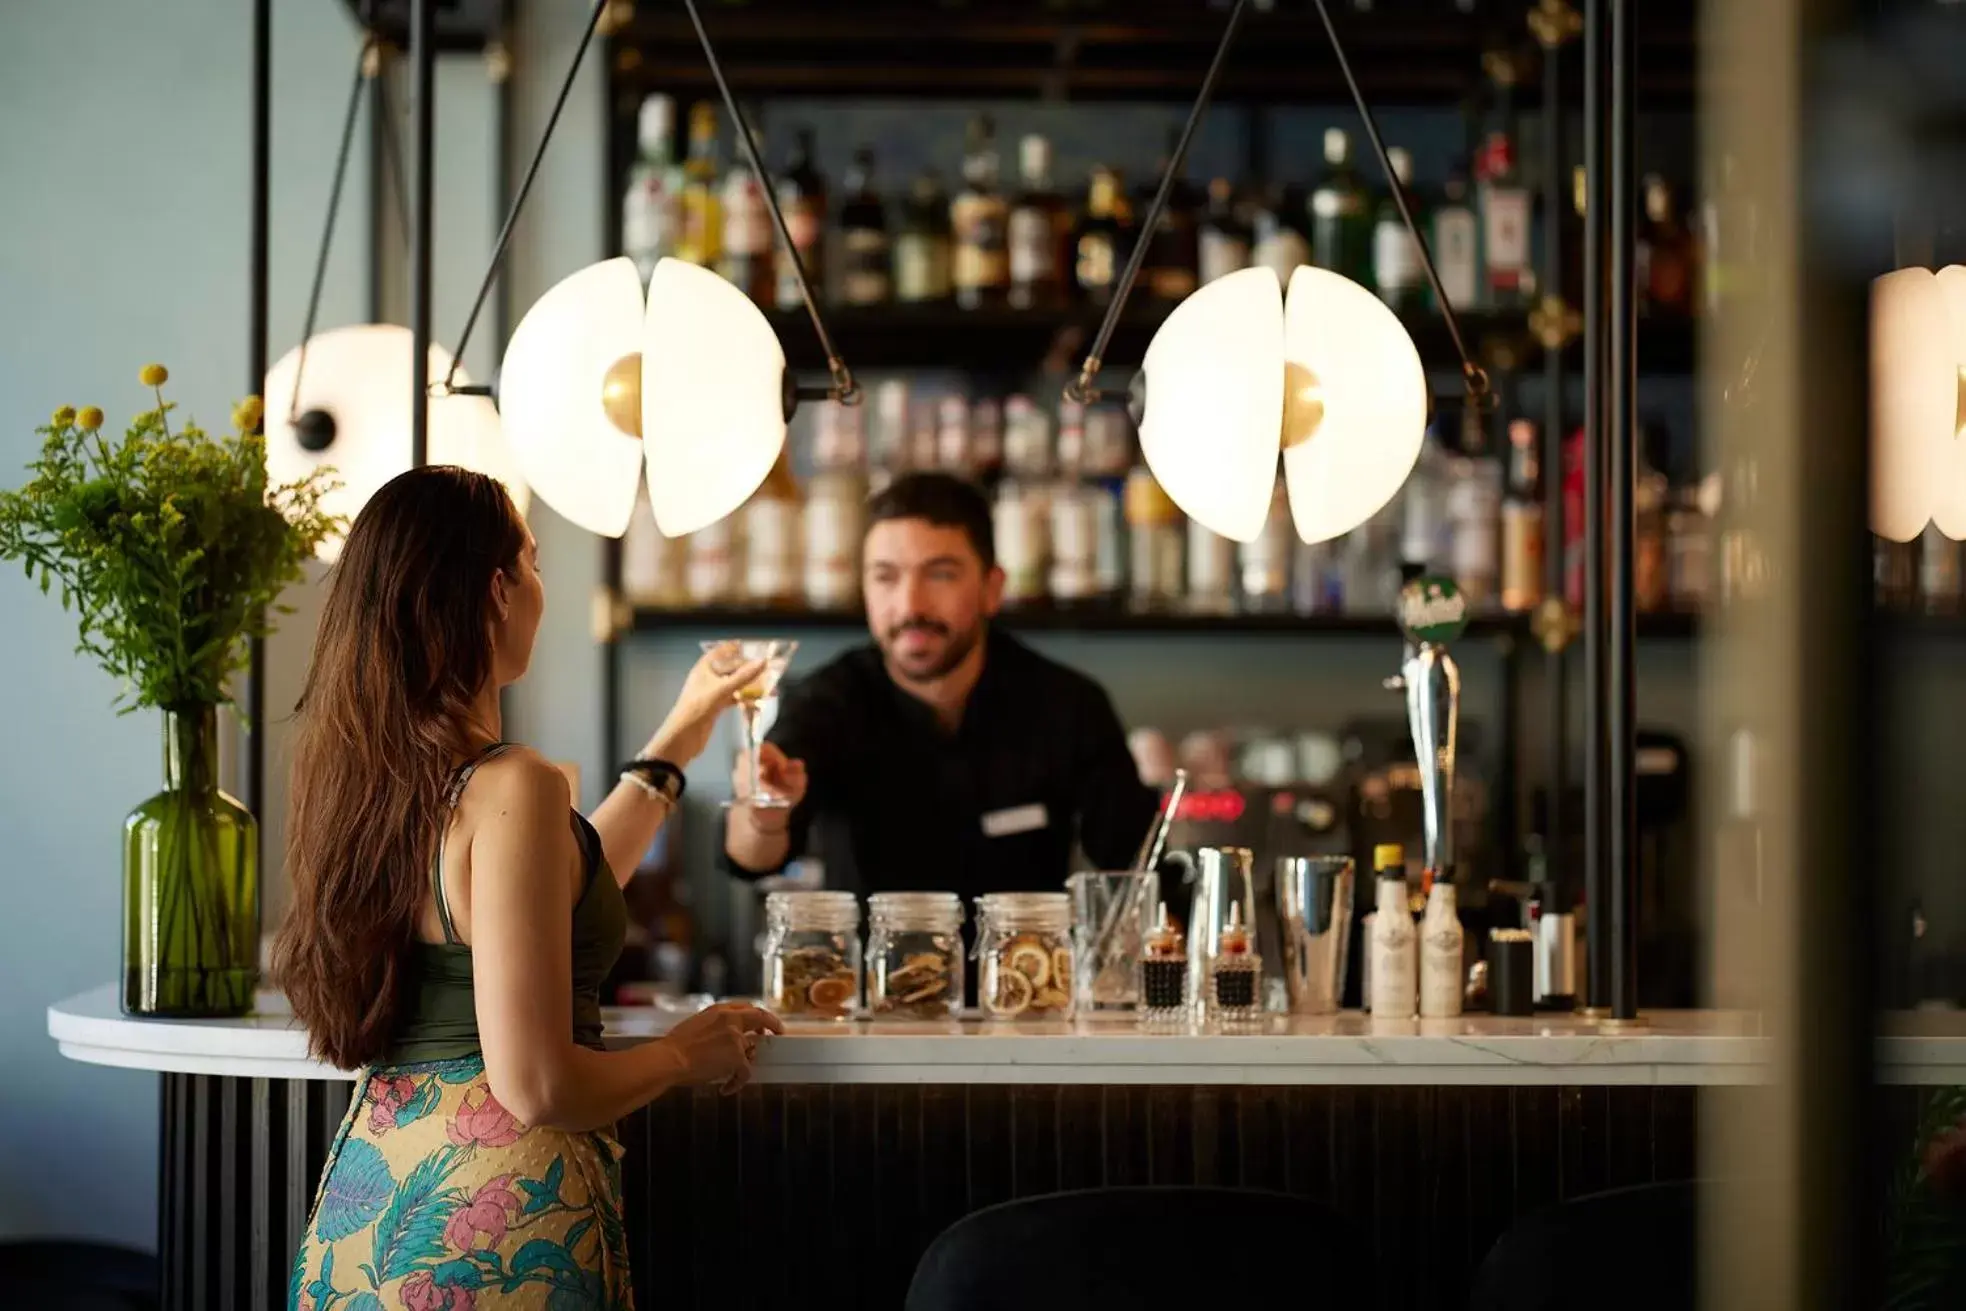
{"x":1013,"y":995}
{"x":832,"y":995}
{"x":1028,"y":957}
{"x":1061,"y":966}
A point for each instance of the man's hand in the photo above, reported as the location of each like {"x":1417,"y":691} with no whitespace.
{"x":779,"y":774}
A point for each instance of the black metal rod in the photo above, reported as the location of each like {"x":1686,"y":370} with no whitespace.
{"x":423,"y":56}
{"x":525,"y":189}
{"x":1621,"y":791}
{"x":1081,"y":388}
{"x":1472,"y":374}
{"x":1556,"y":664}
{"x":844,"y":390}
{"x":502,"y":145}
{"x":1597,"y":890}
{"x":389,"y":125}
{"x":327,"y":224}
{"x":258,"y":294}
{"x":379,"y":182}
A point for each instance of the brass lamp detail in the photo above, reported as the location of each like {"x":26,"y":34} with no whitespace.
{"x":1554,"y":22}
{"x":621,"y":394}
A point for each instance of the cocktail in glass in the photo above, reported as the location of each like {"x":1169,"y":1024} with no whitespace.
{"x":731,"y":654}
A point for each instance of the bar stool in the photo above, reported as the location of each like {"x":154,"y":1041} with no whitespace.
{"x":1558,"y":1258}
{"x":1118,"y":1249}
{"x":67,"y":1275}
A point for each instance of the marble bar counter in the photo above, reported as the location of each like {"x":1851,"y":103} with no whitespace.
{"x":858,"y":1143}
{"x":1666,"y":1048}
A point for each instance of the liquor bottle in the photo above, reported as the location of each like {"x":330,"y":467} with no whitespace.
{"x":1474,"y":514}
{"x":1394,"y":960}
{"x":1522,"y":522}
{"x":980,"y":218}
{"x":1456,"y":247}
{"x":1395,"y":259}
{"x":703,"y":228}
{"x":888,"y":432}
{"x":865,"y":278}
{"x":1225,"y":238}
{"x":1281,"y":244}
{"x":748,"y":240}
{"x":1155,"y":540}
{"x":1666,"y":251}
{"x":1170,"y":269}
{"x":772,"y":533}
{"x":1265,"y":560}
{"x":710,"y":564}
{"x":1100,"y":250}
{"x":1442,"y":943}
{"x":652,"y":207}
{"x":952,"y":448}
{"x":1040,"y":231}
{"x":1503,"y":202}
{"x":651,"y":563}
{"x":1021,"y":520}
{"x":1211,"y":571}
{"x":834,"y":511}
{"x":986,"y":461}
{"x":1341,"y":217}
{"x":923,"y":257}
{"x":802,"y":199}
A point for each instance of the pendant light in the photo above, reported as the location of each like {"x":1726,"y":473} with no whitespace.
{"x":1321,"y":374}
{"x":342,"y":398}
{"x":684,"y":387}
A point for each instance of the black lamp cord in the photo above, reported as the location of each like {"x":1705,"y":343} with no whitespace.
{"x":843,"y":388}
{"x":367,"y":65}
{"x":1081,"y":388}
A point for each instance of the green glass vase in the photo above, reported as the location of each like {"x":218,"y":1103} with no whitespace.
{"x":190,"y":885}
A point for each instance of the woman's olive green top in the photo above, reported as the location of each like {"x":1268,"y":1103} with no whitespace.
{"x":440,"y":1021}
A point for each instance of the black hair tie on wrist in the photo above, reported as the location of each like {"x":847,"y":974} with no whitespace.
{"x":661,"y":775}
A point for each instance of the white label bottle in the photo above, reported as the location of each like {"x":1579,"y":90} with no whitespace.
{"x":1395,"y":964}
{"x":1441,"y":939}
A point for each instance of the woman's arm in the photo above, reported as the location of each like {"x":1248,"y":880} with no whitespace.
{"x":523,"y":869}
{"x":629,"y":817}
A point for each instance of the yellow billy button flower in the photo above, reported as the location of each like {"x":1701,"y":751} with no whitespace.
{"x":90,"y":418}
{"x":154,"y":375}
{"x":247,"y":414}
{"x":64,"y":416}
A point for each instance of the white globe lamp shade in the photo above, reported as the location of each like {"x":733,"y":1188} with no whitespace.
{"x":712,"y":397}
{"x":1210,"y":427}
{"x":1355,"y":403}
{"x":1914,"y":400}
{"x":551,"y":391}
{"x":1949,"y":500}
{"x":354,"y":417}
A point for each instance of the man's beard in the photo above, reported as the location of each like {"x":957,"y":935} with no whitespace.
{"x":958,"y":647}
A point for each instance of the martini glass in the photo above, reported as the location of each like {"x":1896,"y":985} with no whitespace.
{"x":728,"y":656}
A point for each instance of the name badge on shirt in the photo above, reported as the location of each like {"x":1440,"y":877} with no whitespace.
{"x":1017,"y":819}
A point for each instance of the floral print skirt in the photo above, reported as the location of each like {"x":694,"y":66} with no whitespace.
{"x":434,"y":1198}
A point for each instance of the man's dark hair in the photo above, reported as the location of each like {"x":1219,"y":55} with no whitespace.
{"x":943,"y":500}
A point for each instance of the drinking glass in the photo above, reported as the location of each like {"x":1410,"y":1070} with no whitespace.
{"x":727,"y":656}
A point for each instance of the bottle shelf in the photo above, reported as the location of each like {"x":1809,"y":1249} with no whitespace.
{"x":1424,"y":52}
{"x":1093,"y":619}
{"x":1019,"y":341}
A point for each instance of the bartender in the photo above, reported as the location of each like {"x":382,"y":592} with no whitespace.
{"x":945,"y":755}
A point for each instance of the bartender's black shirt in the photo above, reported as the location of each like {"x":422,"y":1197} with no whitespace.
{"x":896,"y":803}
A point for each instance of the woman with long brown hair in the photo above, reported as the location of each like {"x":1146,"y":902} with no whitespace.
{"x":453,"y":917}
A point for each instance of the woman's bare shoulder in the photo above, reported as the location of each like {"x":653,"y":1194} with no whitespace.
{"x":519,"y":778}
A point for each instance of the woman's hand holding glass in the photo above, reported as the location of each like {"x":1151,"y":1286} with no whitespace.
{"x":706,"y":694}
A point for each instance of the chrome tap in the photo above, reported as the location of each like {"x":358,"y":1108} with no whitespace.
{"x":1432,"y":613}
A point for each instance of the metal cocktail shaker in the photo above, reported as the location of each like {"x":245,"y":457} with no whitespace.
{"x":1432,"y":612}
{"x":1315,"y":900}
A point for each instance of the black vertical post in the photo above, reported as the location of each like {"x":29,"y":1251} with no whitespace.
{"x":616,"y":151}
{"x":1597,"y":891}
{"x":256,"y":338}
{"x":379,"y":129}
{"x":501,"y":72}
{"x":1556,"y":666}
{"x":1621,"y":745}
{"x":423,"y":57}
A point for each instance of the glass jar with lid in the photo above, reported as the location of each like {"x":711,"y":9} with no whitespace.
{"x":1024,"y":944}
{"x":812,"y":955}
{"x":914,"y":955}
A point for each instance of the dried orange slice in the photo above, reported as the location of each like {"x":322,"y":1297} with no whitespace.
{"x":1013,"y":994}
{"x":832,"y":994}
{"x":1061,"y":966}
{"x":1031,"y":960}
{"x":1050,"y":999}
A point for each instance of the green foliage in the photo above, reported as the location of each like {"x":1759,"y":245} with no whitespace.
{"x":170,"y":547}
